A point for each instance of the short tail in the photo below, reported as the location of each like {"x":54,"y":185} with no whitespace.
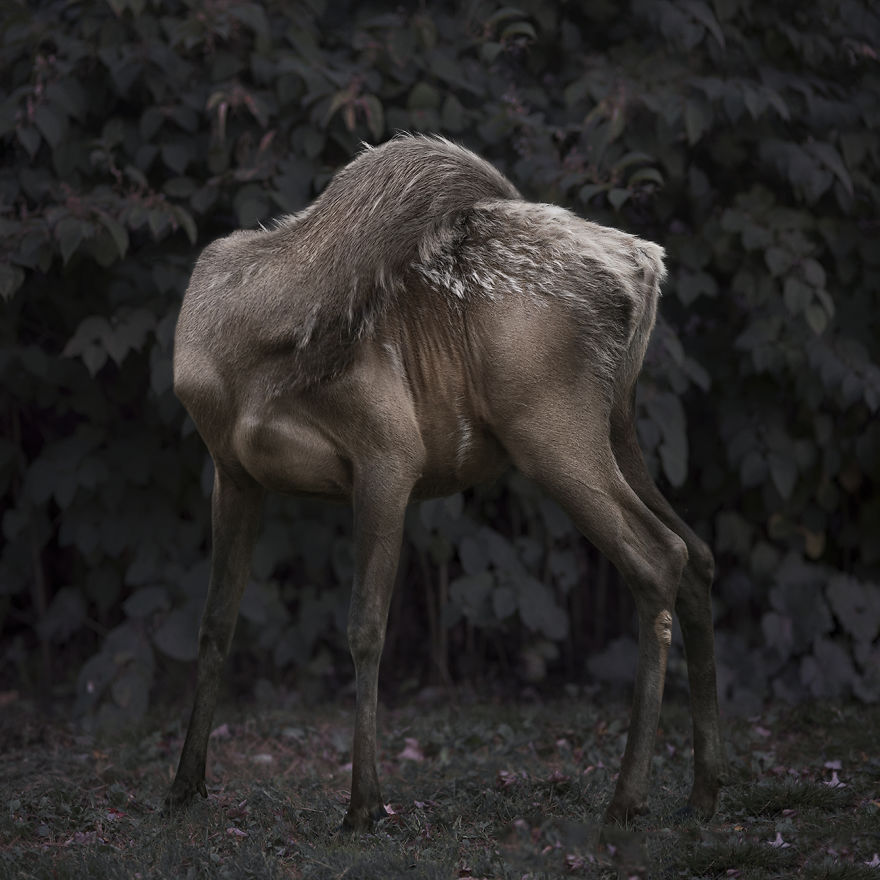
{"x":649,"y":257}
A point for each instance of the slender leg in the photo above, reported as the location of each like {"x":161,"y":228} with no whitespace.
{"x":577,"y":466}
{"x":235,"y":518}
{"x":379,"y":509}
{"x":694,"y":609}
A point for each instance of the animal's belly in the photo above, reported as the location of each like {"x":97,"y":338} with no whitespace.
{"x":465,"y":457}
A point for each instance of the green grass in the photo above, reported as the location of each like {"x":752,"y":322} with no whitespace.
{"x":500,"y":791}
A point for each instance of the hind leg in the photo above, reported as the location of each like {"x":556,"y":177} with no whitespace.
{"x":566,"y":448}
{"x":693,"y":606}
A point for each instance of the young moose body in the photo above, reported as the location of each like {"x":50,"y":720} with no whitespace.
{"x":416,"y":330}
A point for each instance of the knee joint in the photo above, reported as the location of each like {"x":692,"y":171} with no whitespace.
{"x":365,"y":642}
{"x":702,"y":561}
{"x":666,"y":577}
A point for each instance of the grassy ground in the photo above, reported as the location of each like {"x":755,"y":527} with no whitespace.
{"x":494,"y":790}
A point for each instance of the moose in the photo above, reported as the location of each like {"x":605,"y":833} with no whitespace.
{"x":417,"y":329}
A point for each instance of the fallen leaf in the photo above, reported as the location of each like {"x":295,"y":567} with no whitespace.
{"x":506,"y":778}
{"x":262,"y":758}
{"x":412,"y":751}
{"x":834,"y":782}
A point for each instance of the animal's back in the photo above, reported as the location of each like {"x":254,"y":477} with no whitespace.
{"x":416,"y":217}
{"x":310,"y":288}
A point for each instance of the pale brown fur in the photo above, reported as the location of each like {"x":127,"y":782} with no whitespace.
{"x":413,"y":332}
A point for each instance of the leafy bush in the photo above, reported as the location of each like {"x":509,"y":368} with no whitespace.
{"x":743,"y":140}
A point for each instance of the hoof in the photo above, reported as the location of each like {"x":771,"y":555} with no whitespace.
{"x":182,"y":794}
{"x":363,"y":819}
{"x":703,"y":804}
{"x":620,"y":814}
{"x":684,"y":814}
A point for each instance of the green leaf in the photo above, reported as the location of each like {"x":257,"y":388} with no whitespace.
{"x":576,"y":91}
{"x":185,"y":219}
{"x":51,"y":123}
{"x":117,"y":231}
{"x":829,"y":673}
{"x":753,"y":469}
{"x":151,"y":121}
{"x":633,"y":158}
{"x":732,"y":220}
{"x":131,"y":690}
{"x":490,"y":51}
{"x":754,"y":101}
{"x":64,"y":616}
{"x":856,"y":605}
{"x":203,"y":199}
{"x":825,"y":298}
{"x":618,"y":196}
{"x":816,"y":318}
{"x":69,"y":232}
{"x":813,"y":272}
{"x":177,"y":637}
{"x":504,"y":602}
{"x":177,"y":155}
{"x":94,"y":357}
{"x":797,"y":295}
{"x":563,"y":566}
{"x":774,"y":98}
{"x":11,"y":278}
{"x":157,"y":220}
{"x":179,"y":187}
{"x":538,"y":609}
{"x":651,"y":175}
{"x":591,"y":189}
{"x":778,"y":260}
{"x":253,"y":15}
{"x":29,"y":138}
{"x":69,"y":95}
{"x":733,"y":533}
{"x":505,"y":13}
{"x":251,"y":206}
{"x":828,"y":155}
{"x":473,"y":555}
{"x":39,"y":483}
{"x":667,"y":413}
{"x":691,"y":285}
{"x":375,"y":116}
{"x":519,"y":29}
{"x":146,"y":601}
{"x":452,"y":114}
{"x":703,"y":14}
{"x":558,"y":522}
{"x":697,"y":119}
{"x":423,"y":96}
{"x":471,"y":593}
{"x":783,"y":470}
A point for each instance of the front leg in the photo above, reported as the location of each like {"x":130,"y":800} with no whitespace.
{"x":235,"y":515}
{"x":379,"y":510}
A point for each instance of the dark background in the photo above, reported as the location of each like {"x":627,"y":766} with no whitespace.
{"x":743,"y":136}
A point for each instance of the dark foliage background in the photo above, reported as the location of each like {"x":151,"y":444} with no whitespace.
{"x":741,"y":135}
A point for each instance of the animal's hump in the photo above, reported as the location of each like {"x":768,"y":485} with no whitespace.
{"x":392,"y":204}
